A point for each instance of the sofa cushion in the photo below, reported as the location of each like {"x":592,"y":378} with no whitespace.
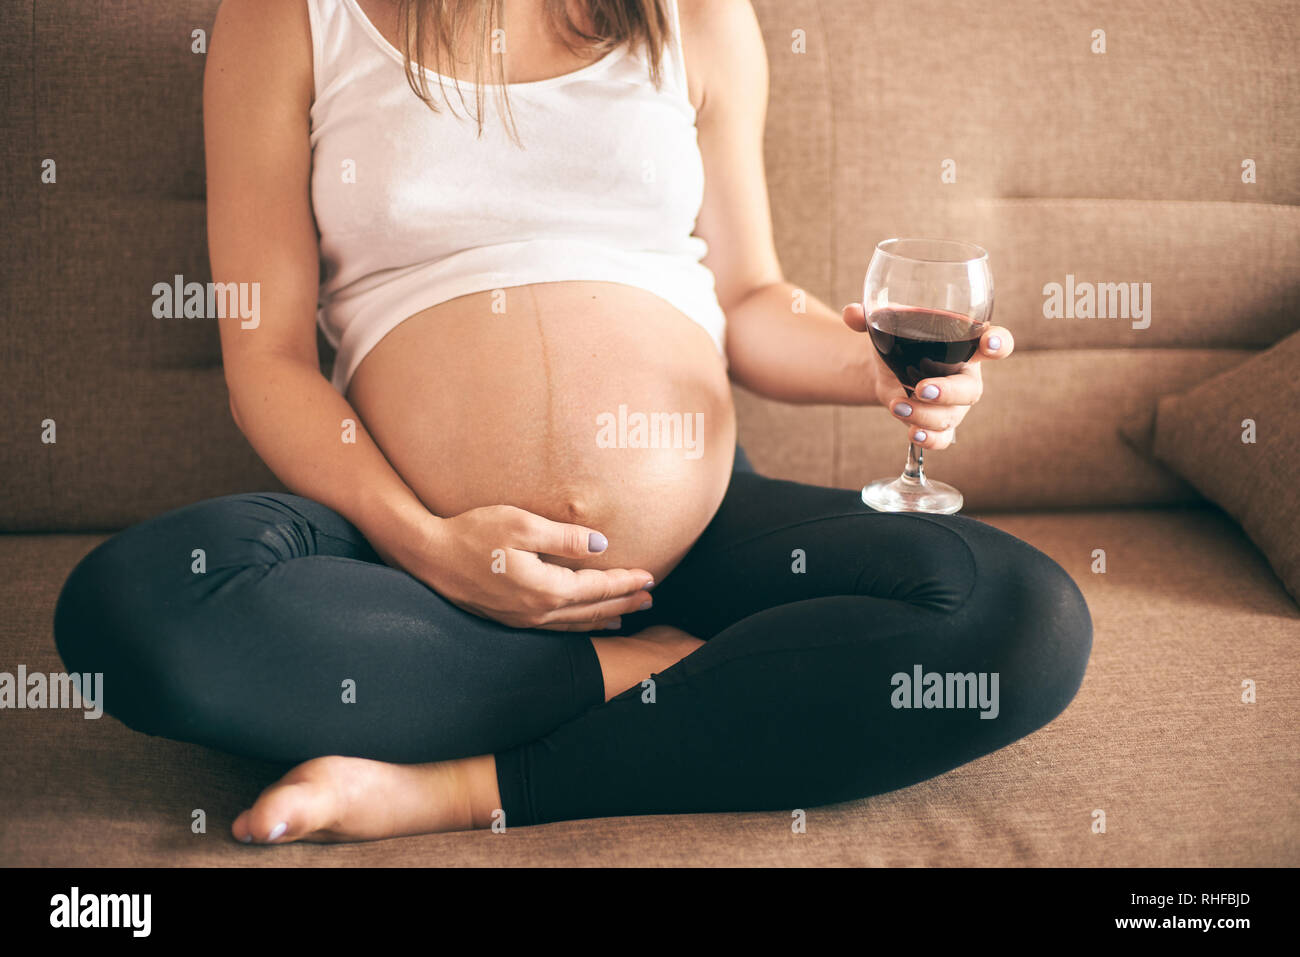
{"x":1236,"y":438}
{"x":1158,"y":738}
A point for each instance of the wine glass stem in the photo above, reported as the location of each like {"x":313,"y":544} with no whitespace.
{"x":914,"y":470}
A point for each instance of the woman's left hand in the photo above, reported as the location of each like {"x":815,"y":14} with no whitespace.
{"x":932,"y":415}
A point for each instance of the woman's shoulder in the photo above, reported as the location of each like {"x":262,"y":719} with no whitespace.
{"x":718,"y":37}
{"x":269,"y":39}
{"x":282,"y":19}
{"x":711,"y":20}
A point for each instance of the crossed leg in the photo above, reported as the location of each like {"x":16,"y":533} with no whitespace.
{"x":772,"y":653}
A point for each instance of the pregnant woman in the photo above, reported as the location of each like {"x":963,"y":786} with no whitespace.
{"x":546,"y":248}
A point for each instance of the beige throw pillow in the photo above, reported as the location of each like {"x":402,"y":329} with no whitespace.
{"x":1236,"y":438}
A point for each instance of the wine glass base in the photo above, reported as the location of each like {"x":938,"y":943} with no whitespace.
{"x":908,"y":495}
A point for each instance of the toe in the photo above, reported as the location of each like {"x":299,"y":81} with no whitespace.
{"x":285,"y":813}
{"x":241,"y":829}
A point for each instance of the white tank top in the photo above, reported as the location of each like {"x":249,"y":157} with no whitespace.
{"x":414,"y":209}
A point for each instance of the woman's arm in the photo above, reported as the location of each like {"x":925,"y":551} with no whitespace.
{"x":782,"y":343}
{"x":773,"y":347}
{"x":256,"y":105}
{"x":256,"y":97}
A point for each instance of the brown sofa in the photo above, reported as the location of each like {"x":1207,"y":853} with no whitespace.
{"x":1122,"y":166}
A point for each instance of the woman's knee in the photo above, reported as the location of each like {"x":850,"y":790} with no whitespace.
{"x":87,"y":612}
{"x":1046,"y":635}
{"x":129,"y":632}
{"x":127,"y":610}
{"x":94,"y":631}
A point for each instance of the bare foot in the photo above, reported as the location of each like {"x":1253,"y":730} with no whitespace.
{"x":627,"y":660}
{"x":336,"y":799}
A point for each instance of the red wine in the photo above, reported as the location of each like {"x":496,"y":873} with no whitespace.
{"x":920,"y":344}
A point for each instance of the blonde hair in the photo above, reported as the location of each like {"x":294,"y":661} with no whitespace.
{"x":434,"y":26}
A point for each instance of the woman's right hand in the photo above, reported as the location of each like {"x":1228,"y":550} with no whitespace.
{"x":488,"y":562}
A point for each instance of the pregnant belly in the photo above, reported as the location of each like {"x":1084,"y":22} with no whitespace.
{"x":584,"y":402}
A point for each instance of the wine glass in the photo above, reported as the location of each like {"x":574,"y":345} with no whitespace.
{"x":927,"y":302}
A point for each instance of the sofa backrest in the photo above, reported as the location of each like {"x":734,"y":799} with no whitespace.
{"x":1000,"y":123}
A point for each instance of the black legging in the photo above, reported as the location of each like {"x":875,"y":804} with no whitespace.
{"x":809,"y":602}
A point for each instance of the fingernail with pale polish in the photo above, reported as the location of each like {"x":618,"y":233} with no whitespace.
{"x":919,"y":435}
{"x":612,"y":623}
{"x":902,"y":409}
{"x":246,"y":839}
{"x":597,"y":542}
{"x":645,"y":605}
{"x":649,"y":585}
{"x":995,"y":343}
{"x":931,"y":391}
{"x":277,"y":831}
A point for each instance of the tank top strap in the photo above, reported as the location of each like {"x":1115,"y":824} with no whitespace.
{"x":336,"y":41}
{"x":677,"y":55}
